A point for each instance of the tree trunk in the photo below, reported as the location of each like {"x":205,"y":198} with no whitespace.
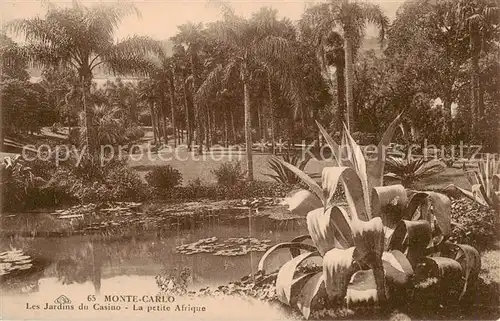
{"x":302,"y":119}
{"x":189,"y":127}
{"x":271,"y":112}
{"x":475,"y":91}
{"x":226,"y":130}
{"x":349,"y":79}
{"x":449,"y":117}
{"x":164,"y":119}
{"x":259,"y":122}
{"x":172,"y":105}
{"x":207,"y":129}
{"x":153,"y":122}
{"x":91,"y":137}
{"x":233,"y":128}
{"x":248,"y":130}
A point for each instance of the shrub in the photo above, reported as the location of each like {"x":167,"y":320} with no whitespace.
{"x":474,"y":224}
{"x":284,"y":175}
{"x":123,"y":183}
{"x":18,"y":184}
{"x":228,"y":174}
{"x":408,"y":172}
{"x":88,"y":181}
{"x":134,"y":133}
{"x":164,"y":177}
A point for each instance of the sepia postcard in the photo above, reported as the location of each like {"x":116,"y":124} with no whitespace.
{"x":250,"y":160}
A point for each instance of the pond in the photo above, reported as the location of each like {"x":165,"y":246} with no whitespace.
{"x":111,"y":262}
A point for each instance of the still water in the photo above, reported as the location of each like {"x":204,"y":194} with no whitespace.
{"x":96,"y":264}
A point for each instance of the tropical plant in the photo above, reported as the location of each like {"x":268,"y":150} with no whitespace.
{"x":485,"y":183}
{"x":480,"y":21}
{"x":16,"y":182}
{"x":250,"y":46}
{"x":283,"y":174}
{"x":386,"y":241}
{"x":351,"y":17}
{"x":410,"y":171}
{"x":108,"y":124}
{"x":82,"y":38}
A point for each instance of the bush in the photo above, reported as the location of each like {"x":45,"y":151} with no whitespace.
{"x":88,"y":181}
{"x":474,"y":224}
{"x":164,"y":177}
{"x":228,"y":174}
{"x":134,"y":133}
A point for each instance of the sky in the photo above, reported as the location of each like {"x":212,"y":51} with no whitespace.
{"x":160,"y":18}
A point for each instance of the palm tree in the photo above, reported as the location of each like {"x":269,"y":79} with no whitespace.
{"x":351,"y":18}
{"x":82,"y":38}
{"x":481,"y":26}
{"x":250,"y":46}
{"x":189,"y":42}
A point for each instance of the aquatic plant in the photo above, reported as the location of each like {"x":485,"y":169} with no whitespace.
{"x":388,"y":243}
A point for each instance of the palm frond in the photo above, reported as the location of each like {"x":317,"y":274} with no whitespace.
{"x":374,"y":14}
{"x":216,"y":79}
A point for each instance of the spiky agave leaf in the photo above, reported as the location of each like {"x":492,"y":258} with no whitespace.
{"x":337,"y":271}
{"x":314,"y":288}
{"x":337,"y":151}
{"x":368,"y":238}
{"x":329,"y":228}
{"x":286,"y":275}
{"x":388,"y":202}
{"x":285,"y":245}
{"x":397,"y":267}
{"x":412,"y":238}
{"x":302,"y":202}
{"x":359,"y":164}
{"x":468,"y":258}
{"x":375,"y":168}
{"x":311,"y":183}
{"x":353,"y":189}
{"x":446,"y":273}
{"x":362,"y":288}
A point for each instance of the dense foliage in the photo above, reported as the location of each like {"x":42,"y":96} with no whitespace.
{"x":164,"y":177}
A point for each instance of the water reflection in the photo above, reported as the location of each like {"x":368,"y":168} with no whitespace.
{"x":93,"y":259}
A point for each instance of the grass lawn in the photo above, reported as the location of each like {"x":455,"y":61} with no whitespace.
{"x":200,"y":166}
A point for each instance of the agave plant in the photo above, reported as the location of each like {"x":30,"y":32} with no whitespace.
{"x":485,"y":184}
{"x":284,"y":175}
{"x":410,"y":171}
{"x":386,"y":239}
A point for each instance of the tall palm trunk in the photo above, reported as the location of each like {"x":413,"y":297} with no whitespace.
{"x":476,"y":51}
{"x":248,"y":130}
{"x":189,"y":127}
{"x":153,"y":121}
{"x":164,"y":113}
{"x":226,"y":130}
{"x":233,"y":128}
{"x":271,"y":112}
{"x":91,"y":139}
{"x":349,"y":79}
{"x":172,"y":105}
{"x":341,"y":91}
{"x":207,"y":128}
